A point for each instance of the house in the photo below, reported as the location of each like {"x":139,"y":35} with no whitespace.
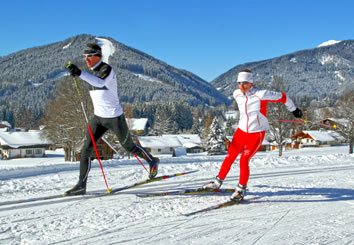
{"x":232,"y":115}
{"x":191,"y":142}
{"x":167,"y":144}
{"x":104,"y":151}
{"x":5,"y":126}
{"x":335,"y":122}
{"x":159,"y":144}
{"x":22,"y":144}
{"x":314,"y":138}
{"x":138,"y":126}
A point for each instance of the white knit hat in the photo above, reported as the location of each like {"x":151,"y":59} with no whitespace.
{"x":245,"y":76}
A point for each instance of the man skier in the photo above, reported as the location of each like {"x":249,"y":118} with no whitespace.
{"x":253,"y":124}
{"x":108,"y":114}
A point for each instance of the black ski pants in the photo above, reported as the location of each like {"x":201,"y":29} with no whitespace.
{"x":101,"y":125}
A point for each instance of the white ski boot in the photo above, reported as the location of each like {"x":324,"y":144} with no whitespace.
{"x":213,"y":185}
{"x":239,"y":194}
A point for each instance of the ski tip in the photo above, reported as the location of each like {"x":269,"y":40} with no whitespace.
{"x":64,"y":195}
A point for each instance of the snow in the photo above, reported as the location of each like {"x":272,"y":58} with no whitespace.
{"x":18,"y":139}
{"x":293,"y":60}
{"x":67,"y":46}
{"x":328,"y":43}
{"x":304,"y":197}
{"x":147,"y":78}
{"x":339,"y":75}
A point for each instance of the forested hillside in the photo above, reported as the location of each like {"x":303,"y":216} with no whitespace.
{"x":28,"y":78}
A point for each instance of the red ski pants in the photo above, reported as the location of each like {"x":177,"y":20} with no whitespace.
{"x":248,"y":144}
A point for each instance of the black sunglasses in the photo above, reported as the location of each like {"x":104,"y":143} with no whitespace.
{"x":245,"y":82}
{"x":89,"y":55}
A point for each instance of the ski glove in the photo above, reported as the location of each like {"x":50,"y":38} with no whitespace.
{"x":74,"y":71}
{"x":298,"y":113}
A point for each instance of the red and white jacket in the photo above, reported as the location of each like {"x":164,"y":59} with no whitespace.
{"x":253,"y":108}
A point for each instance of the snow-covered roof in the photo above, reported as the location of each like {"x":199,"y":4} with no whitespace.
{"x":341,"y":121}
{"x":188,"y":139}
{"x":137,"y":123}
{"x":320,"y":135}
{"x":18,"y":139}
{"x":5,"y":123}
{"x":159,"y":141}
{"x":180,"y":140}
{"x":231,"y":114}
{"x":265,"y":142}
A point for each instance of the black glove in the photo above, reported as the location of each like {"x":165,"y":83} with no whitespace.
{"x":298,"y":113}
{"x":74,"y":71}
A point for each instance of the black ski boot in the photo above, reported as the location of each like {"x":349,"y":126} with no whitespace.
{"x":78,"y":189}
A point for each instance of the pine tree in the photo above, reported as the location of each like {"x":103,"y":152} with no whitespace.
{"x":215,"y":140}
{"x":229,"y":130}
{"x":196,"y":127}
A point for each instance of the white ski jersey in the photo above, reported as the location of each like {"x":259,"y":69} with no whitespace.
{"x":105,"y":93}
{"x":253,"y":108}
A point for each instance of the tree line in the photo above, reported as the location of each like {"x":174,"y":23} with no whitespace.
{"x":65,"y":124}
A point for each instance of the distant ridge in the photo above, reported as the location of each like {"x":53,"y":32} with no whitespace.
{"x":28,"y":77}
{"x":322,"y":73}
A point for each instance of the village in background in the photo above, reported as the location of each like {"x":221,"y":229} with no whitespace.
{"x":21,"y":143}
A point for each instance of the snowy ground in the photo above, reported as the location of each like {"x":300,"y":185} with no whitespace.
{"x":305,"y":197}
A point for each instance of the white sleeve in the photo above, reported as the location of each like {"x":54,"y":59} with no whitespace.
{"x":92,"y":79}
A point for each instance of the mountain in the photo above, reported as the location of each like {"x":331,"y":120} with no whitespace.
{"x":323,"y":72}
{"x":28,"y":77}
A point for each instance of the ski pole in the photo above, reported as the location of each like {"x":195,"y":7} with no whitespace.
{"x":141,"y":163}
{"x":90,"y":131}
{"x":98,"y":158}
{"x":305,"y":121}
{"x":83,"y":109}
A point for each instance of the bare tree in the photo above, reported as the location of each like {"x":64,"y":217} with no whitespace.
{"x":64,"y":121}
{"x":279,"y":130}
{"x":344,"y":109}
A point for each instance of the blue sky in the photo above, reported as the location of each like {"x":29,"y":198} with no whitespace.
{"x":204,"y":37}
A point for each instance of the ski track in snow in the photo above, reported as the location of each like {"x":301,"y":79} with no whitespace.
{"x":304,"y":197}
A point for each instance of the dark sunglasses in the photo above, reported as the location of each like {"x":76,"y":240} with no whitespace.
{"x":88,"y":55}
{"x":245,"y":82}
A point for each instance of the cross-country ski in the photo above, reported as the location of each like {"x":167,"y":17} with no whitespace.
{"x":94,"y":194}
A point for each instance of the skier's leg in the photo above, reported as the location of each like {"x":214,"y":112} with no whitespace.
{"x":236,"y":146}
{"x":120,"y":128}
{"x":98,"y":131}
{"x":254,"y":142}
{"x":85,"y":159}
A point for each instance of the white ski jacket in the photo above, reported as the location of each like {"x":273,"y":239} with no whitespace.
{"x":253,"y":108}
{"x":104,"y":94}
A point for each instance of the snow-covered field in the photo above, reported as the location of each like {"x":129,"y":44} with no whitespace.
{"x":304,"y":197}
